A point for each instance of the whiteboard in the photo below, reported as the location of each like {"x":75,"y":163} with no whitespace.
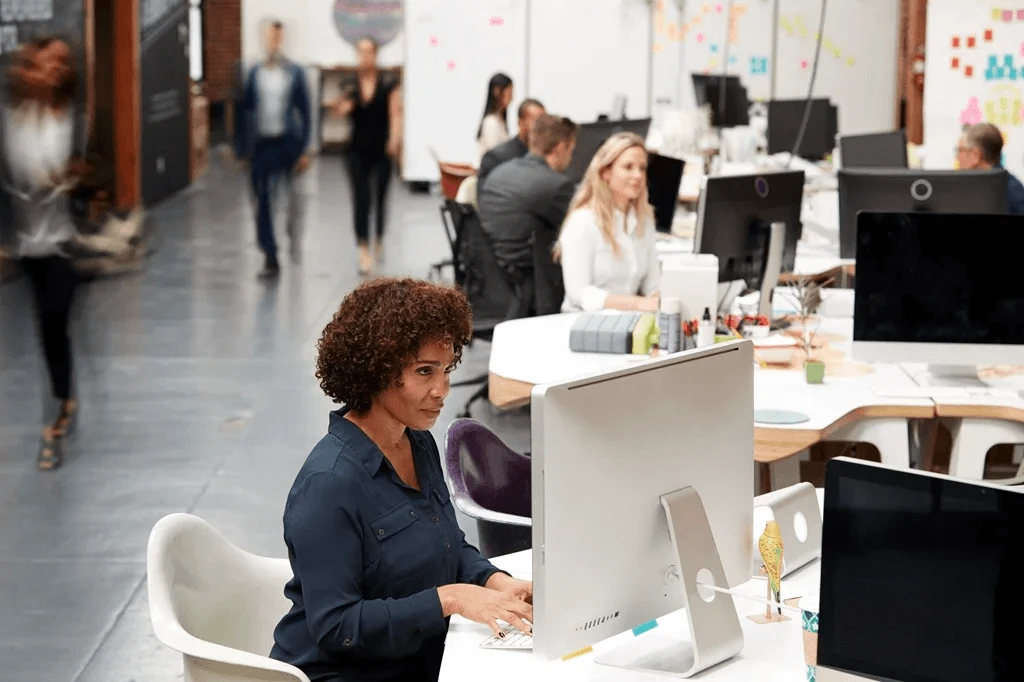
{"x":453,"y":47}
{"x":584,"y":52}
{"x":960,"y":84}
{"x":706,"y":31}
{"x":859,"y":58}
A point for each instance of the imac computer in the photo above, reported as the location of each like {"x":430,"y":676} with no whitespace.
{"x":939,"y":288}
{"x":642,"y":491}
{"x":784,"y":119}
{"x":920,"y":577}
{"x":734,"y":222}
{"x":905,"y":190}
{"x":590,"y":137}
{"x":875,"y":150}
{"x":708,"y":90}
{"x":664,"y":175}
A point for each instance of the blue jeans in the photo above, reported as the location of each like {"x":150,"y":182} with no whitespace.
{"x":272,"y":160}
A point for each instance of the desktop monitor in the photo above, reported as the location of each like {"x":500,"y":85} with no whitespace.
{"x":905,"y":190}
{"x":618,"y":110}
{"x":708,"y":90}
{"x":733,"y":219}
{"x":785,"y":117}
{"x":920,"y":577}
{"x":606,"y":449}
{"x":939,"y":288}
{"x":590,"y":137}
{"x":875,"y":150}
{"x":664,"y":175}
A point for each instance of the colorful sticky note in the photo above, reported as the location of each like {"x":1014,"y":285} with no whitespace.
{"x":803,"y":63}
{"x":434,"y":41}
{"x":956,"y":41}
{"x":971,"y":41}
{"x":718,"y":8}
{"x":700,"y":37}
{"x":451,"y":64}
{"x":657,"y":47}
{"x":996,"y":13}
{"x":956,"y":63}
{"x":496,"y":21}
{"x":1007,"y":15}
{"x":850,"y":61}
{"x":971,"y":114}
{"x":646,"y":627}
{"x":1020,"y":15}
{"x":968,"y":71}
{"x":732,"y":59}
{"x":988,"y":35}
{"x":1022,"y":49}
{"x":714,"y":48}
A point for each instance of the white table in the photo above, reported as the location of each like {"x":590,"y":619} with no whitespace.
{"x":771,"y":653}
{"x":533,"y":351}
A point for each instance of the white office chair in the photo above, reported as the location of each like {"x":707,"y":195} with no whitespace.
{"x":216,"y":604}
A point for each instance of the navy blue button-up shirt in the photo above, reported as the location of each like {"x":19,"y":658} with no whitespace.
{"x":368,"y":554}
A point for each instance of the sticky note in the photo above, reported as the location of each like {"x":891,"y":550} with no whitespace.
{"x":968,"y":71}
{"x":646,"y":627}
{"x":700,"y":37}
{"x":850,"y":61}
{"x":575,"y":654}
{"x":451,"y":64}
{"x":971,"y":41}
{"x":956,"y":63}
{"x":496,"y":21}
{"x":956,"y":41}
{"x":1007,"y":15}
{"x":434,"y":41}
{"x":996,"y":13}
{"x":803,"y":63}
{"x":988,"y":35}
{"x":1020,"y":15}
{"x":714,"y":48}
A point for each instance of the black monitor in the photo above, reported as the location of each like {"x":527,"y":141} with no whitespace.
{"x":734,"y":220}
{"x":664,"y":175}
{"x":590,"y":137}
{"x":784,"y":119}
{"x":874,"y":150}
{"x":898,"y":190}
{"x":708,"y":90}
{"x":920,"y":576}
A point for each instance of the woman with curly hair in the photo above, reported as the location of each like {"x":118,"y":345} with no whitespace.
{"x":378,"y":558}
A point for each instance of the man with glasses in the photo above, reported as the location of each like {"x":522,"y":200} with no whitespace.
{"x":981,"y":147}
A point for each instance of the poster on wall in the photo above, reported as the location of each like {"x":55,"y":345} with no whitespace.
{"x":380,"y":20}
{"x":974,"y":72}
{"x":164,"y":110}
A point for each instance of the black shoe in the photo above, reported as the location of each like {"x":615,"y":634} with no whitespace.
{"x":271,"y":269}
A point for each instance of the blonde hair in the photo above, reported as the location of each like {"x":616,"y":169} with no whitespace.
{"x":595,"y":194}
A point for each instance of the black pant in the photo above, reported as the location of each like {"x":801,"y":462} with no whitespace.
{"x":361,"y":166}
{"x":53,"y":283}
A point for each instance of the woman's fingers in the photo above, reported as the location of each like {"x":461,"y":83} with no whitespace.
{"x":518,"y":623}
{"x":521,"y":608}
{"x":493,"y":624}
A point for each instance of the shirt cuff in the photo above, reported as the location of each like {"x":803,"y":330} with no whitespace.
{"x":490,"y":573}
{"x":427,"y":612}
{"x":593,"y":299}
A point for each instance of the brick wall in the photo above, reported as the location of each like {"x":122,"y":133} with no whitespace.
{"x":222,"y":46}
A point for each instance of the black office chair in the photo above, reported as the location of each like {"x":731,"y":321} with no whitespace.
{"x":549,"y":288}
{"x":452,"y":215}
{"x":491,"y":295}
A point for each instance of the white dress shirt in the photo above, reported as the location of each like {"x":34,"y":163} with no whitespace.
{"x":492,"y":133}
{"x":273,"y":90}
{"x":591,"y":270}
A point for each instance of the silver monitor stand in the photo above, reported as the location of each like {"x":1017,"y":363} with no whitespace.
{"x":772,"y":268}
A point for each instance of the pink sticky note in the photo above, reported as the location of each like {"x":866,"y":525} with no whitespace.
{"x":1022,"y":49}
{"x":700,"y":37}
{"x":803,"y":63}
{"x":497,"y":21}
{"x":451,"y":64}
{"x":1020,"y":15}
{"x":718,"y":8}
{"x":1007,"y":15}
{"x":971,"y":113}
{"x":434,"y":41}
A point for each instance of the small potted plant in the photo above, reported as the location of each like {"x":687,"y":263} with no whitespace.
{"x":805,"y":293}
{"x":756,"y":326}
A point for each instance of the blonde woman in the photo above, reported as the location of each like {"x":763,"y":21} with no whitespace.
{"x":607,"y":243}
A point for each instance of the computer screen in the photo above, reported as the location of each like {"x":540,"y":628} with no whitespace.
{"x":920,"y":576}
{"x":708,"y":90}
{"x":905,"y":190}
{"x":875,"y":150}
{"x":664,"y":175}
{"x":939,"y":278}
{"x":784,"y":119}
{"x":734,"y":217}
{"x":590,"y":137}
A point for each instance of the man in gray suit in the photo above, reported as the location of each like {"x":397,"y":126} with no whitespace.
{"x":517,"y":147}
{"x":528,"y":194}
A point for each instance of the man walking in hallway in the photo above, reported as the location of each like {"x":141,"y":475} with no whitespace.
{"x":273,"y":133}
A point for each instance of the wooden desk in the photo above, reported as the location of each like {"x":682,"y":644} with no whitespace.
{"x":535,"y":350}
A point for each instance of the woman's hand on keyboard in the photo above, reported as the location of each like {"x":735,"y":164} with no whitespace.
{"x":485,"y":606}
{"x":523,"y":589}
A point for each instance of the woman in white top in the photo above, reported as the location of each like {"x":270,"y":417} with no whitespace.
{"x":493,"y":128}
{"x":606,"y":246}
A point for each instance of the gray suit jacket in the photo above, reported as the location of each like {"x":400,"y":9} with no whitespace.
{"x":521,"y":196}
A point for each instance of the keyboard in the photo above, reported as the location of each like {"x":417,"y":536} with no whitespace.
{"x":513,"y":639}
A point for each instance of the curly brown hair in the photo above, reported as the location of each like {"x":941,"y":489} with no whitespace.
{"x":377,"y":331}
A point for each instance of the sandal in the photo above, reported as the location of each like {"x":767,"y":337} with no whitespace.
{"x":65,"y":420}
{"x":51,"y":453}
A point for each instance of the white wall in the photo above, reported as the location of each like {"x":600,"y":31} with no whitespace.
{"x":949,"y":93}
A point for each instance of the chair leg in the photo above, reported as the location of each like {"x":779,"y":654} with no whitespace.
{"x":478,"y":395}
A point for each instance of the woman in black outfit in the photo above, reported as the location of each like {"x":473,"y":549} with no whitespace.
{"x":374,"y":103}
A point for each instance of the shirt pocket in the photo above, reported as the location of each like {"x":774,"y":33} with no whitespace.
{"x":405,"y":542}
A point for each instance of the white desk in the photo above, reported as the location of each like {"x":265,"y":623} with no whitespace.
{"x":771,"y":653}
{"x":535,"y":351}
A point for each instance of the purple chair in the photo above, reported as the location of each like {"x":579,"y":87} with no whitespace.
{"x":491,"y":483}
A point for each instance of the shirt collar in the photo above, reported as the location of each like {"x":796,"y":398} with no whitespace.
{"x":362,"y":446}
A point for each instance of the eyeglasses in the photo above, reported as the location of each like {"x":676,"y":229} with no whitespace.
{"x":962,"y":150}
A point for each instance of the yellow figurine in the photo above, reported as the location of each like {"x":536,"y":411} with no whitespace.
{"x":770,"y":546}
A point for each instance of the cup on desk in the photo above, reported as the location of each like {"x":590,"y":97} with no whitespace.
{"x":809,"y":618}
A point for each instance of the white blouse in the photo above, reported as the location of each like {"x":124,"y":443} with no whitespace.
{"x":591,"y":270}
{"x":492,"y":133}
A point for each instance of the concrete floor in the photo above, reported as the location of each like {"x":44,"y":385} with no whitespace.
{"x":197,"y":394}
